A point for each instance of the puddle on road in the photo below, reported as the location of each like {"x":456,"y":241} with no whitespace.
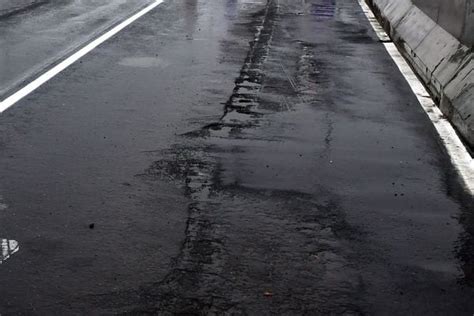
{"x":144,"y":62}
{"x":9,"y":247}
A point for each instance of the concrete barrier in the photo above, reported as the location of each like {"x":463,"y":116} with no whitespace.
{"x":10,"y":6}
{"x":455,"y":16}
{"x":439,"y":49}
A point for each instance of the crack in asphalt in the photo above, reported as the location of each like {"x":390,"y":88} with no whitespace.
{"x":211,"y":274}
{"x":244,"y":97}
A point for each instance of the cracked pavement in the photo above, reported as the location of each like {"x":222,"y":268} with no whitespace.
{"x":232,"y":157}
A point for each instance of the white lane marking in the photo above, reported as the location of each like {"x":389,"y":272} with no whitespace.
{"x":459,"y":155}
{"x":35,"y":84}
{"x":9,"y":247}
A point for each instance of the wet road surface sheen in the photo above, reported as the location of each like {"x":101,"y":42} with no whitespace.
{"x":235,"y":157}
{"x":34,"y":37}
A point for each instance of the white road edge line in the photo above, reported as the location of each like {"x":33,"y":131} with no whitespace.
{"x":460,"y":157}
{"x":35,"y":84}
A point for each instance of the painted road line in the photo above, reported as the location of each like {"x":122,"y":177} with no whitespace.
{"x":458,"y":153}
{"x":9,"y":247}
{"x":35,"y":84}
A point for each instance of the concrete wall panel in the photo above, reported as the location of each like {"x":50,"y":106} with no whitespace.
{"x":435,"y":37}
{"x":455,"y":16}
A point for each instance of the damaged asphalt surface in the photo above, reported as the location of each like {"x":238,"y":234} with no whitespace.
{"x":232,"y":157}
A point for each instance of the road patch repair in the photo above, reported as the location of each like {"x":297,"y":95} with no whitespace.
{"x":244,"y":157}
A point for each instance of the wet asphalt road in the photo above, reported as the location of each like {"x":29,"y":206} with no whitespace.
{"x":230,"y":157}
{"x":37,"y":33}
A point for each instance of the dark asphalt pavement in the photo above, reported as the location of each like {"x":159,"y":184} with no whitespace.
{"x":38,"y":33}
{"x":244,"y":157}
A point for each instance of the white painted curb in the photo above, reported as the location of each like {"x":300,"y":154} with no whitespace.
{"x":442,"y":62}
